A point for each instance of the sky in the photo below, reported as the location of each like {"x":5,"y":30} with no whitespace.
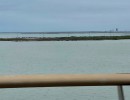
{"x":64,"y":15}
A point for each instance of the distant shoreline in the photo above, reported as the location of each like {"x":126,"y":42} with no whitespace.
{"x":69,"y":32}
{"x":72,"y":38}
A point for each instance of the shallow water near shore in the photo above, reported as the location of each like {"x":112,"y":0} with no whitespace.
{"x":64,"y":57}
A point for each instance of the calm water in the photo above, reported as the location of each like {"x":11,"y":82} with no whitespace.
{"x":14,"y":35}
{"x":64,"y":57}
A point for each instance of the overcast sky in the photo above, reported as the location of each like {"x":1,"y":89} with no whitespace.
{"x":64,"y":15}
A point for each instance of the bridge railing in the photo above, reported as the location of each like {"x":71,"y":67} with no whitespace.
{"x":63,"y":80}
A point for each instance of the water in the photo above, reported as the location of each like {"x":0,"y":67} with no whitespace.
{"x":64,"y":57}
{"x":15,"y":35}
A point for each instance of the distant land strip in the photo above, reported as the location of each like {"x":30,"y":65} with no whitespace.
{"x":69,"y":32}
{"x":72,"y":38}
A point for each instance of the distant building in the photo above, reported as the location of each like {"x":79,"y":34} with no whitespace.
{"x":116,"y":29}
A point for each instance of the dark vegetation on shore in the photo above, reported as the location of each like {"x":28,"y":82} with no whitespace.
{"x":73,"y":38}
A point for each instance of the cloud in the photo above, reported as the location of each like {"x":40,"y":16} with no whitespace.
{"x":66,"y":14}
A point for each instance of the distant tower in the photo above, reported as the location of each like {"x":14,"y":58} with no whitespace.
{"x":116,"y":29}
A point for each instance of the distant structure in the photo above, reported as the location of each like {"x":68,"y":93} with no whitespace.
{"x":116,"y":29}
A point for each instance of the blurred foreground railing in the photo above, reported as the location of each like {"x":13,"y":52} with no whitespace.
{"x":24,"y":81}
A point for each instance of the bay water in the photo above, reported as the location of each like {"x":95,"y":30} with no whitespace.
{"x":64,"y":57}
